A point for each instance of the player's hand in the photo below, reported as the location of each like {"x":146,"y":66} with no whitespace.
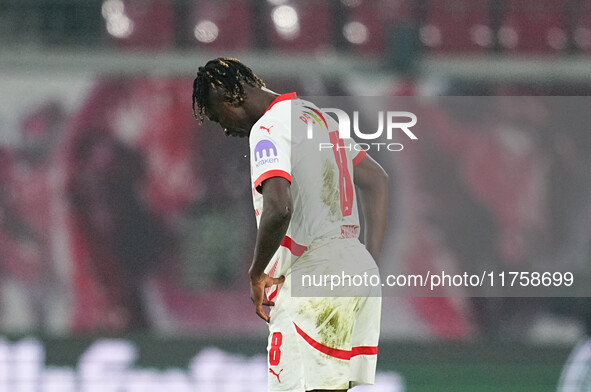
{"x":257,"y":293}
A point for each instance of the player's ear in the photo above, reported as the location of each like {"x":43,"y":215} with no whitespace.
{"x":236,"y":104}
{"x":231,"y":104}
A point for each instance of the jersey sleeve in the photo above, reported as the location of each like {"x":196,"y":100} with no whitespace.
{"x":270,"y":151}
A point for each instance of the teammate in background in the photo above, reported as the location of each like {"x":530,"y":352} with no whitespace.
{"x":306,"y":210}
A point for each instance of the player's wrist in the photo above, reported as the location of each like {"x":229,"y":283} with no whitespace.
{"x":255,"y":276}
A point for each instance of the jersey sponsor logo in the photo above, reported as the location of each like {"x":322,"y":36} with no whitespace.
{"x":275,"y":374}
{"x":265,"y":152}
{"x":267,"y":129}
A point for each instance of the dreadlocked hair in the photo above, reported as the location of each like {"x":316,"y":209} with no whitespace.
{"x":227,"y":75}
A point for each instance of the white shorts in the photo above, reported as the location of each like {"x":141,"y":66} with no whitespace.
{"x":324,"y":342}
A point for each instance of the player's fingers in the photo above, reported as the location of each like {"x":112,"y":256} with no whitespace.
{"x":261,"y":313}
{"x":267,"y":302}
{"x":279,"y":280}
{"x":255,"y":298}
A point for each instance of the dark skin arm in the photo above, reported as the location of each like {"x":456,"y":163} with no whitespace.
{"x":277,"y":207}
{"x":372,"y":187}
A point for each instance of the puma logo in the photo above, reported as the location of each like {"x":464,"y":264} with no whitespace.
{"x":267,"y":129}
{"x":275,"y":374}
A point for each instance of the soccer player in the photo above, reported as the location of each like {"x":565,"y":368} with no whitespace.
{"x":306,"y":210}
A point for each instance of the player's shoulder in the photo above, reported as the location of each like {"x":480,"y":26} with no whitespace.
{"x":285,"y":108}
{"x":303,"y":105}
{"x":268,"y":127}
{"x":274,"y":123}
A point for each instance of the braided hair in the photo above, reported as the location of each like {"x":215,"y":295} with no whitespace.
{"x":228,"y":75}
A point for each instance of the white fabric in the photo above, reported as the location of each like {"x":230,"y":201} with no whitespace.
{"x":342,"y":324}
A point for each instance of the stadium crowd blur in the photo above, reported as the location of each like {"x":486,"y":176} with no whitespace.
{"x":124,"y":214}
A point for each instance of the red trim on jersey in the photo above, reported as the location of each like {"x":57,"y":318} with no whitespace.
{"x":270,"y":174}
{"x":359,"y":157}
{"x":273,"y":294}
{"x":273,"y":268}
{"x":295,"y":248}
{"x":335,"y":352}
{"x":282,"y":97}
{"x":271,"y":273}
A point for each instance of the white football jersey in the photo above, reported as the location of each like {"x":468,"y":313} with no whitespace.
{"x":319,"y":167}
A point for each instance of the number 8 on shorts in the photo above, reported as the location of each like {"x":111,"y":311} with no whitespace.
{"x":275,"y":351}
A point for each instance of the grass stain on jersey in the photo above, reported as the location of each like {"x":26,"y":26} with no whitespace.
{"x":330,"y":191}
{"x":335,"y":319}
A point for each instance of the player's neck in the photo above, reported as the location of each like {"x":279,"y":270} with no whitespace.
{"x":259,"y":99}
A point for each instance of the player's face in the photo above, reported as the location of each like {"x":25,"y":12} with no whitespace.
{"x":231,"y":116}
